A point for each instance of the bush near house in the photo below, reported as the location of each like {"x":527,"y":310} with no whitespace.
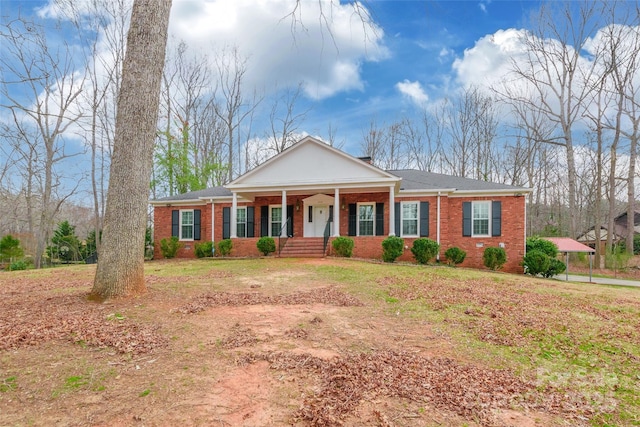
{"x":455,"y":255}
{"x":424,"y":250}
{"x":392,"y":248}
{"x":494,"y":258}
{"x":204,"y":249}
{"x":225,"y":246}
{"x":343,"y":246}
{"x":169,"y":246}
{"x":541,"y":258}
{"x":266,"y":245}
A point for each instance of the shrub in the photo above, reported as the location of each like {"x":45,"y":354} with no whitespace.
{"x":225,"y":246}
{"x":392,"y":248}
{"x":204,"y":249}
{"x":424,"y":249}
{"x":342,"y":246}
{"x":169,"y":246}
{"x":10,"y":248}
{"x":544,"y":245}
{"x":455,"y":255}
{"x":18,"y":265}
{"x":536,"y":262}
{"x":494,"y":258}
{"x":266,"y":245}
{"x":541,"y":258}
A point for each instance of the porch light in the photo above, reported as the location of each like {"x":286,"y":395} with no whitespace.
{"x":343,"y":205}
{"x":298,"y":204}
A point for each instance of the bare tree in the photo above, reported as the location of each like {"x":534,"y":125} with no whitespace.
{"x":555,"y":74}
{"x":120,"y":271}
{"x":40,"y":88}
{"x":285,"y":120}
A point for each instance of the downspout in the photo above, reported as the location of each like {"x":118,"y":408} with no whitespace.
{"x":438,"y":227}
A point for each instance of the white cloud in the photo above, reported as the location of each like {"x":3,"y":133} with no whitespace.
{"x":282,"y":48}
{"x":413,"y":91}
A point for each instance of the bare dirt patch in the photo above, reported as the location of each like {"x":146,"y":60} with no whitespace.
{"x":245,"y":356}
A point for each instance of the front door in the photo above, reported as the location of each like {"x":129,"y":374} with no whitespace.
{"x":320,"y":218}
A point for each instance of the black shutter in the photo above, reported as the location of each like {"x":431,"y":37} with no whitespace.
{"x":196,"y":224}
{"x":175,"y":223}
{"x":398,"y":220}
{"x":251,"y":227}
{"x":424,"y":219}
{"x":264,"y":221}
{"x":352,"y":219}
{"x":379,"y":219}
{"x":226,"y":223}
{"x":290,"y":218}
{"x":496,"y":218}
{"x":466,"y":218}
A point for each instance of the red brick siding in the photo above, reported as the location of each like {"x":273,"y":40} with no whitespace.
{"x":513,"y":232}
{"x":162,"y":228}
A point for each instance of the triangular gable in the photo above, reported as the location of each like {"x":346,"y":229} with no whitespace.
{"x":310,"y":162}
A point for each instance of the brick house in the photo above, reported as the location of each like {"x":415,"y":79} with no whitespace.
{"x":328,"y":193}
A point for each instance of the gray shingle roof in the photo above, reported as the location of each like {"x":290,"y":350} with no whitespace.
{"x":195,"y":195}
{"x":421,"y":180}
{"x":411,"y":180}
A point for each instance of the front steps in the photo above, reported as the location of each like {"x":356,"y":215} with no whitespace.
{"x":308,"y":247}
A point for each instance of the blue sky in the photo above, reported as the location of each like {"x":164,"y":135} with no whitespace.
{"x":392,"y":66}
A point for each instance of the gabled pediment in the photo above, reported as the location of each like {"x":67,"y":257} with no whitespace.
{"x":312,"y":162}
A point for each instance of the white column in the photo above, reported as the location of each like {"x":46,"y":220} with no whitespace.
{"x":283,"y":232}
{"x":213,"y":221}
{"x":438,"y":225}
{"x":392,"y":212}
{"x":336,"y":213}
{"x":234,"y":217}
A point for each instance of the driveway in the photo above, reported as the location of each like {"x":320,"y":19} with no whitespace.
{"x":599,"y":280}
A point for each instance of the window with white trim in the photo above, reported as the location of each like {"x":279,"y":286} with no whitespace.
{"x":409,"y":219}
{"x":241,"y":221}
{"x":276,"y":220}
{"x":366,"y":219}
{"x":481,"y":218}
{"x":186,"y":224}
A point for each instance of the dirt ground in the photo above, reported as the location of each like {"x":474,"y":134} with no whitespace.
{"x":222,"y":349}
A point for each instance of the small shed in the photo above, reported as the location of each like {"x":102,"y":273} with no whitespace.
{"x":568,"y":245}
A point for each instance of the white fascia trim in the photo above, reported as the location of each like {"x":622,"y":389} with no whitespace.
{"x":312,"y":186}
{"x":414,"y":193}
{"x":479,"y":193}
{"x":193,"y":202}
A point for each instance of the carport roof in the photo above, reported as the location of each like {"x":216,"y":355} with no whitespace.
{"x":565,"y":244}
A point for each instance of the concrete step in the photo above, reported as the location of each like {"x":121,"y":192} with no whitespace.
{"x":303,"y":248}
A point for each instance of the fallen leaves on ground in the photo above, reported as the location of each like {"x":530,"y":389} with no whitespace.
{"x":326,"y":295}
{"x":469,"y":391}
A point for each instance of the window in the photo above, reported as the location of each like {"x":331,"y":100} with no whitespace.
{"x":481,"y":218}
{"x":409,"y":219}
{"x":186,"y":225}
{"x":366,"y":219}
{"x":276,"y":220}
{"x":241,"y":221}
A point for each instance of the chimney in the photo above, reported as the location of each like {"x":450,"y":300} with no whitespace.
{"x":366,"y":159}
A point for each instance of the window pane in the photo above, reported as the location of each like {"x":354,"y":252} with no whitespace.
{"x":186,"y":231}
{"x":481,"y":218}
{"x":241,"y":222}
{"x":409,"y":219}
{"x":410,"y":227}
{"x":276,"y":221}
{"x":365,"y":218}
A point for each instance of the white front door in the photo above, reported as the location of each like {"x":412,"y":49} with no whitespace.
{"x":320,"y":218}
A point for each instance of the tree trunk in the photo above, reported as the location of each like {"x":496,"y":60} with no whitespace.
{"x":120,"y":271}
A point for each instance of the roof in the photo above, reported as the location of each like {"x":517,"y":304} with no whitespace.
{"x":565,"y":244}
{"x":422,"y":180}
{"x":197,"y":195}
{"x":312,"y":165}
